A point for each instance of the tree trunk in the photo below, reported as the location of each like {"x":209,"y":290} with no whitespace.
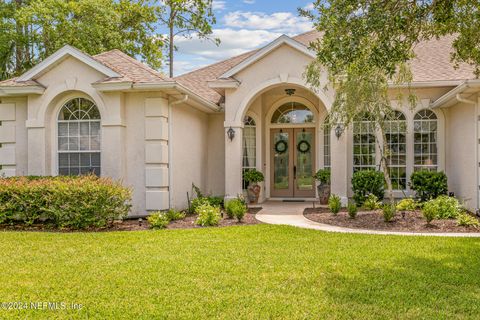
{"x":384,"y":165}
{"x":170,"y":48}
{"x":20,"y":43}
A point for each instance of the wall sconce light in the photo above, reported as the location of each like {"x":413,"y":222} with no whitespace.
{"x":339,"y":130}
{"x":231,"y":133}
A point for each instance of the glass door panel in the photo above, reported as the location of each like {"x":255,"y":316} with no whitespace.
{"x":304,"y":162}
{"x":282,"y":179}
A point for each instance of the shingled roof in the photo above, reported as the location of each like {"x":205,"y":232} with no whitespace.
{"x":130,"y":68}
{"x":432,"y":63}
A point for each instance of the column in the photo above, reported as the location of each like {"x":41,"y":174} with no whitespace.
{"x":7,"y":140}
{"x":156,"y":154}
{"x":233,"y":161}
{"x":339,"y":166}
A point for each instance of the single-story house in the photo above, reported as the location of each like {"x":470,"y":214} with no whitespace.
{"x":74,"y":113}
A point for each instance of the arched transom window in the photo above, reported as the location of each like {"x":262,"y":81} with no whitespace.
{"x":425,"y":140}
{"x":294,"y":113}
{"x":396,"y":135}
{"x":79,"y":138}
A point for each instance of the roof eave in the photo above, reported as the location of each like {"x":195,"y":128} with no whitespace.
{"x":59,"y":55}
{"x":283,"y":39}
{"x":450,"y":98}
{"x":21,"y":90}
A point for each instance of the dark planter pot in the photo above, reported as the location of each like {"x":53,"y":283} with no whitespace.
{"x":323,"y":193}
{"x":253,"y":193}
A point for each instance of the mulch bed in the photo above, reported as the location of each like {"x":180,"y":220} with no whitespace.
{"x":135,"y":225}
{"x":373,"y":220}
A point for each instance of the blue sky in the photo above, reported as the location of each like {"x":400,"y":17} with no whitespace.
{"x":242,"y":25}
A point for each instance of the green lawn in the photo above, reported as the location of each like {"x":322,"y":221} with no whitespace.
{"x":252,"y":272}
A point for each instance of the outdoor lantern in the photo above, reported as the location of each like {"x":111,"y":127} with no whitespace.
{"x":231,"y":133}
{"x":338,"y":131}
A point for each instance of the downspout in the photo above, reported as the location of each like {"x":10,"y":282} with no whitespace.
{"x":459,"y":98}
{"x":170,"y":147}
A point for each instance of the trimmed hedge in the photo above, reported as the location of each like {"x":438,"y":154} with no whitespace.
{"x":366,"y":182}
{"x":64,"y":201}
{"x":429,"y":184}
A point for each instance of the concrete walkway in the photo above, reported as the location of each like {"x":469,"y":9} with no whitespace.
{"x":291,"y":213}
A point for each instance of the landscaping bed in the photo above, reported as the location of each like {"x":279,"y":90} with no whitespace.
{"x":373,"y":220}
{"x":134,"y":225}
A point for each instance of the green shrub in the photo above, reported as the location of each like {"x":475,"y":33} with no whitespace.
{"x":429,"y":211}
{"x":365,"y":182}
{"x":334,"y":204}
{"x":71,"y":202}
{"x":236,"y":208}
{"x":428,"y":184}
{"x":443,"y":207}
{"x":215,"y":201}
{"x":388,"y":211}
{"x":466,"y":220}
{"x":372,"y":203}
{"x":197,"y":202}
{"x":207,"y":215}
{"x":407,"y":204}
{"x":173,"y":215}
{"x":158,"y":220}
{"x":323,"y":176}
{"x":352,"y":210}
{"x":253,"y":176}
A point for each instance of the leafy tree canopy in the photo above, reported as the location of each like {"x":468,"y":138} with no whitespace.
{"x":34,"y":29}
{"x":366,"y":45}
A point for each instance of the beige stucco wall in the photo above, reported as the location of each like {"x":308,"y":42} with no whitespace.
{"x":189,"y":152}
{"x":461,"y":167}
{"x":215,"y":155}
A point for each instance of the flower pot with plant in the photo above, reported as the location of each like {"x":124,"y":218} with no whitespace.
{"x":323,"y":177}
{"x":253,"y":177}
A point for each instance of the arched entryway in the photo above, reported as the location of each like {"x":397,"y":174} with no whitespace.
{"x":290,"y":140}
{"x":293,"y":149}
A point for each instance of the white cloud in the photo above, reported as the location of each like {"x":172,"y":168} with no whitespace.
{"x":309,"y":6}
{"x":233,"y":42}
{"x":283,"y":22}
{"x":218,"y":5}
{"x":249,"y":1}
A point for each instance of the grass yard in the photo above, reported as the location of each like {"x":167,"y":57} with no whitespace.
{"x":253,"y":272}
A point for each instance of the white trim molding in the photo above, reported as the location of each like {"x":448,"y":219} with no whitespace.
{"x":283,"y":39}
{"x":21,"y":90}
{"x":451,"y":97}
{"x":61,"y":54}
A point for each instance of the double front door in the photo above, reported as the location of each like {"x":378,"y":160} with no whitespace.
{"x":292,"y":162}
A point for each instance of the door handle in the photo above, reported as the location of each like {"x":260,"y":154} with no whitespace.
{"x":295,"y":172}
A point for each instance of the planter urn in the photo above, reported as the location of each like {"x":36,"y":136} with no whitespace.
{"x":253,"y":193}
{"x":323,"y":193}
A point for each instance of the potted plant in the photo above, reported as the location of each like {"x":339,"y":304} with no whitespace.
{"x":253,"y":177}
{"x":323,"y":177}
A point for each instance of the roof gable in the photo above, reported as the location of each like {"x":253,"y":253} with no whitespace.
{"x":61,"y":55}
{"x":282,"y":40}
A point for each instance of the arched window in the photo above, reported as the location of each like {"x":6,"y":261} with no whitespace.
{"x":396,"y":135}
{"x":364,"y":144}
{"x":79,"y":138}
{"x":326,"y":144}
{"x":425,"y":140}
{"x":249,"y":146}
{"x":292,"y":112}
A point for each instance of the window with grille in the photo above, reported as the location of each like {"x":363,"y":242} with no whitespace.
{"x":326,"y":144}
{"x":364,"y":144}
{"x":249,"y":143}
{"x":396,"y":135}
{"x":79,"y":138}
{"x":425,"y":140}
